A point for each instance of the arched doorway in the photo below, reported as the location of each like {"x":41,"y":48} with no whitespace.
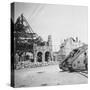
{"x":47,"y":56}
{"x":39,"y":57}
{"x":29,"y":56}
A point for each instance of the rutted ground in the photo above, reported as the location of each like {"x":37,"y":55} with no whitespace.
{"x":48,"y":75}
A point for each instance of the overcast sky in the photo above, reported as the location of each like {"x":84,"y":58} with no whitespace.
{"x":60,"y":21}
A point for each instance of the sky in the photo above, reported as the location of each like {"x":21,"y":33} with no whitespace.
{"x":59,"y":21}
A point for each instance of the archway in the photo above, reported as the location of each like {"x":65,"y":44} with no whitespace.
{"x":29,"y":56}
{"x":47,"y":56}
{"x":39,"y":57}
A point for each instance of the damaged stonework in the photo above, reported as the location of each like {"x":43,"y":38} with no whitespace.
{"x":30,"y":49}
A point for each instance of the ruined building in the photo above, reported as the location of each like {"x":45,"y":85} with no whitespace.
{"x":43,"y":53}
{"x":29,"y":46}
{"x":67,"y":46}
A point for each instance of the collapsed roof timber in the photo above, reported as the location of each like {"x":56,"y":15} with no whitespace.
{"x":24,"y":35}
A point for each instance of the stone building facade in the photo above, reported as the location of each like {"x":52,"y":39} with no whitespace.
{"x":43,"y":54}
{"x":67,"y":46}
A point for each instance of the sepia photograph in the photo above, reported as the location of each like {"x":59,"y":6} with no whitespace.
{"x":49,"y":44}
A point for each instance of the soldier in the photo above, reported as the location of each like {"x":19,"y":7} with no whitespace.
{"x":16,"y":60}
{"x":86,"y":62}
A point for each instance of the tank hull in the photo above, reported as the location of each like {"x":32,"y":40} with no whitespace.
{"x":75,"y":61}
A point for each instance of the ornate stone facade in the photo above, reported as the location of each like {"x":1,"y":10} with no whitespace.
{"x":43,"y":54}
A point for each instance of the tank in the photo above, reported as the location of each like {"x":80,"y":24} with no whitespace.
{"x":77,"y":60}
